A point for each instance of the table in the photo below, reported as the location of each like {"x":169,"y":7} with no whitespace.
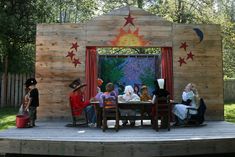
{"x":142,"y":106}
{"x":134,"y":105}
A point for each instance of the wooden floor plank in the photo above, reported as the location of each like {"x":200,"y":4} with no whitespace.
{"x":53,"y":138}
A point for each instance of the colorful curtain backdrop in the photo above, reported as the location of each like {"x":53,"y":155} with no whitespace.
{"x":129,"y":70}
{"x":167,"y":68}
{"x":91,"y":72}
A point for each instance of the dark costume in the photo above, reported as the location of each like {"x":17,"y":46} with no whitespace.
{"x":34,"y":100}
{"x":33,"y":94}
{"x":159,"y":92}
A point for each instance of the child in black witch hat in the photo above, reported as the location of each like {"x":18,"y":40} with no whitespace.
{"x":33,"y":102}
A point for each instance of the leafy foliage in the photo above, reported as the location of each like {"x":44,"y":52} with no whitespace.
{"x":220,"y":12}
{"x":17,"y":33}
{"x":129,"y":51}
{"x":18,"y":20}
{"x":72,"y":11}
{"x":23,"y":61}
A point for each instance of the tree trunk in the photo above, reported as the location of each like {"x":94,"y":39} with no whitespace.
{"x":179,"y":11}
{"x":140,"y":4}
{"x":61,"y":12}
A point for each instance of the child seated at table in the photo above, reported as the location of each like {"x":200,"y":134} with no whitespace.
{"x":78,"y":102}
{"x":146,"y":97}
{"x":128,"y":96}
{"x":107,"y":94}
{"x":144,"y":94}
{"x":99,"y":84}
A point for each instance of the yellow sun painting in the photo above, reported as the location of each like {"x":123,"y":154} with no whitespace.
{"x":129,"y":38}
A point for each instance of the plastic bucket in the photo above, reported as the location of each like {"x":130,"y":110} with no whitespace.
{"x":22,"y":121}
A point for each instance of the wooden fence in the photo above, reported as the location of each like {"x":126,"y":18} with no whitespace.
{"x":13,"y":94}
{"x":229,"y":90}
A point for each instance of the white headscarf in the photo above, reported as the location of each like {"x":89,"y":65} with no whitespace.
{"x":129,"y":90}
{"x":129,"y":95}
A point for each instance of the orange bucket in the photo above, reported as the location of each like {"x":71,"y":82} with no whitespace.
{"x":22,"y":121}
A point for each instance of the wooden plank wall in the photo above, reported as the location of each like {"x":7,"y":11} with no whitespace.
{"x":102,"y":29}
{"x":206,"y":68}
{"x":54,"y":71}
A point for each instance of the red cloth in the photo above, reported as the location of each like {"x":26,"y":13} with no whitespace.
{"x":167,"y":68}
{"x":91,"y":72}
{"x":77,"y":103}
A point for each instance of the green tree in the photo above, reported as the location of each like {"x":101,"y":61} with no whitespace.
{"x":17,"y":34}
{"x":69,"y":11}
{"x":18,"y":20}
{"x":109,"y":5}
{"x":220,"y":12}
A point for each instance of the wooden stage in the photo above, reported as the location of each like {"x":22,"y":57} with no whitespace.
{"x":53,"y":138}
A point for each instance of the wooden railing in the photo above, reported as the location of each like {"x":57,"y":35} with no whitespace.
{"x":12,"y":90}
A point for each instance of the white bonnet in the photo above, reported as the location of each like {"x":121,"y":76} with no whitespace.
{"x":129,"y":89}
{"x":161,"y":83}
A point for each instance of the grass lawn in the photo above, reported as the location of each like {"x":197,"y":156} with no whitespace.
{"x":229,"y":112}
{"x":7,"y":117}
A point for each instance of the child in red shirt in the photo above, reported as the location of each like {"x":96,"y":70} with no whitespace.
{"x":78,"y":103}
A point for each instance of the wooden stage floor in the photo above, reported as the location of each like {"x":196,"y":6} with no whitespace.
{"x":53,"y":138}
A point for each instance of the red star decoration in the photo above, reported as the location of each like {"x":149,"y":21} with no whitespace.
{"x":129,"y":19}
{"x":70,"y":54}
{"x":181,"y":61}
{"x":76,"y":62}
{"x":190,"y":55}
{"x":184,"y":45}
{"x":75,"y":46}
